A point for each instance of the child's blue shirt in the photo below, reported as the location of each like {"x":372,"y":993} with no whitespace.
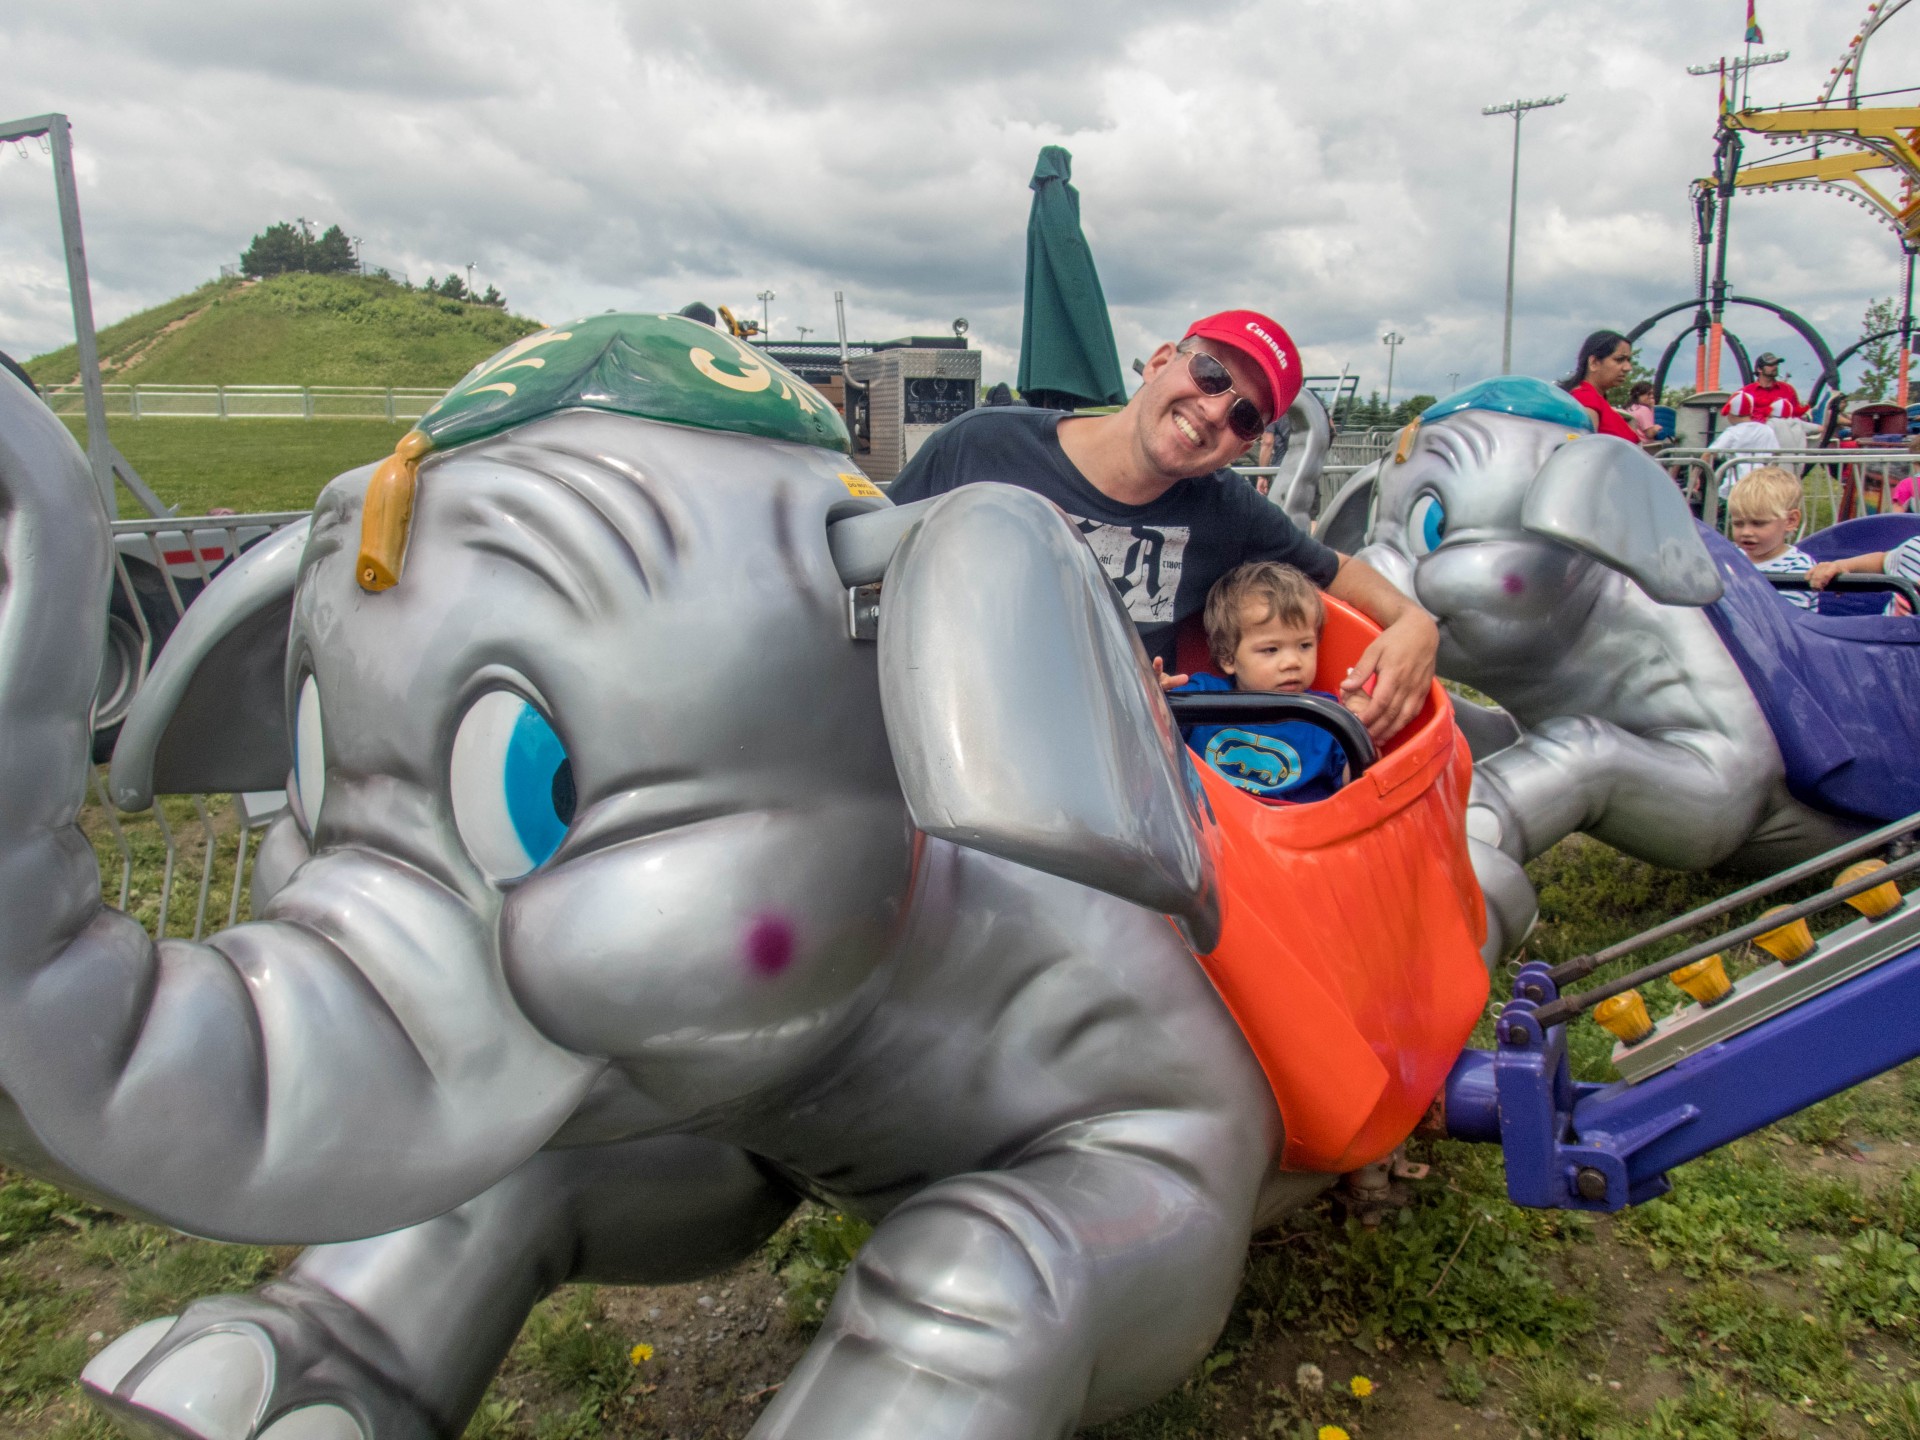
{"x":1278,"y":760}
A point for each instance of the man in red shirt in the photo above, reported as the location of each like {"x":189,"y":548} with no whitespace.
{"x":1768,"y":396}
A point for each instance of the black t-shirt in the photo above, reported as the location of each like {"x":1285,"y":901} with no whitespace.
{"x":1162,"y":557}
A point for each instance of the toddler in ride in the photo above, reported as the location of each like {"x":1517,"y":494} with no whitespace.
{"x":1763,"y":510}
{"x":1263,"y":628}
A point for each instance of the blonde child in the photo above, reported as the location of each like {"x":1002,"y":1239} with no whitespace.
{"x":1763,"y":510}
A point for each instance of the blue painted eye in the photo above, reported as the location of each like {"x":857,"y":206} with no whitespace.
{"x":512,"y":785}
{"x":309,"y":755}
{"x":1427,"y":525}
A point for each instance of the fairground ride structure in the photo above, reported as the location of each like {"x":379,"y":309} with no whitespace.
{"x":1867,"y":154}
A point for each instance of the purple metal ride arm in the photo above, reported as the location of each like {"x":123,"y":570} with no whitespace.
{"x":1577,"y":1145}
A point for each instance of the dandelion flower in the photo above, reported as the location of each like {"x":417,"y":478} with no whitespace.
{"x":1361,"y":1387}
{"x":640,"y":1353}
{"x":1309,"y":1378}
{"x":1331,"y":1432}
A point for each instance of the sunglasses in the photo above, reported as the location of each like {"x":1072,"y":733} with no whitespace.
{"x":1210,"y":377}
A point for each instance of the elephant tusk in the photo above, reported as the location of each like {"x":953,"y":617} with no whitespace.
{"x":862,"y":545}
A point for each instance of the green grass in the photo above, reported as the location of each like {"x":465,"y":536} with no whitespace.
{"x":244,"y":465}
{"x":297,"y":330}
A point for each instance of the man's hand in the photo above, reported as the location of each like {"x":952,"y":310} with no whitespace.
{"x":1168,"y":682}
{"x":1399,"y":664}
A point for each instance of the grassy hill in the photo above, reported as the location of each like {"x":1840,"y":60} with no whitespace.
{"x":296,"y":330}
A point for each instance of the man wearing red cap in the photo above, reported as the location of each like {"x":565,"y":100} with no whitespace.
{"x":1148,"y":488}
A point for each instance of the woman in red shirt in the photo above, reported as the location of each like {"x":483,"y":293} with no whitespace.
{"x":1604,"y":361}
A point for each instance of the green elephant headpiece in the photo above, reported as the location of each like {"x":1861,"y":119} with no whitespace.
{"x":658,"y":367}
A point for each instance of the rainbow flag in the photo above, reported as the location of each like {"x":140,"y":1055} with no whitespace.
{"x":1754,"y":37}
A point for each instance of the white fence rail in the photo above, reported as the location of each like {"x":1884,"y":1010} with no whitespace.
{"x":252,"y":402}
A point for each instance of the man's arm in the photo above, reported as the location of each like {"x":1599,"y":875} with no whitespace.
{"x":1402,"y":658}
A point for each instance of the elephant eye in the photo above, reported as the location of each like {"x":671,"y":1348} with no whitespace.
{"x":1427,"y":525}
{"x":512,"y":785}
{"x":309,"y":754}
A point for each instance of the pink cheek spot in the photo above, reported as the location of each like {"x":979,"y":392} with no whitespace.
{"x":769,"y":945}
{"x":1512,"y":584}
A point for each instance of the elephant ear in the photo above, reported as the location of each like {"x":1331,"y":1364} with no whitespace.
{"x":1608,"y":499}
{"x":212,"y":714}
{"x":1024,"y":717}
{"x":1343,"y":524}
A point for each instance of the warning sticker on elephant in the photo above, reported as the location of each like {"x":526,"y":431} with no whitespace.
{"x":1144,"y":562}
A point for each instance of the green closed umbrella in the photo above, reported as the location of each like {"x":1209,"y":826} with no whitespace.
{"x":1067,"y":356}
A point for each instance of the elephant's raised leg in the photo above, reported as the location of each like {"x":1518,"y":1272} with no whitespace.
{"x":1082,"y":1281}
{"x":396,"y":1337}
{"x":1685,"y":800}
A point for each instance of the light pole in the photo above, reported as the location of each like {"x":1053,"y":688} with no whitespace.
{"x":1453,"y":381}
{"x":1515,"y":108}
{"x":805,"y":330}
{"x":470,"y":265}
{"x":766,"y":325}
{"x":1393,"y":340}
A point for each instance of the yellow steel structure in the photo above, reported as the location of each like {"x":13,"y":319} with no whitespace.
{"x":1880,"y":167}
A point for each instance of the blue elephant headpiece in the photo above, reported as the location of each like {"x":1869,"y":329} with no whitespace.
{"x":1520,"y":395}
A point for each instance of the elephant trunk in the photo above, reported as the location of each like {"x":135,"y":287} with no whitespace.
{"x":350,"y":1065}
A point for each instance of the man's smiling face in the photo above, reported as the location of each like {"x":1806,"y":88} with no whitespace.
{"x":1182,"y":432}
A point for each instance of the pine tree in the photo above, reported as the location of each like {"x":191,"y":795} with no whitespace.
{"x":332,"y":254}
{"x":275,"y":251}
{"x":454,"y":288}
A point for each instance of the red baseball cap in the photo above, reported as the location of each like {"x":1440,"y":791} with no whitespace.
{"x":1261,"y":340}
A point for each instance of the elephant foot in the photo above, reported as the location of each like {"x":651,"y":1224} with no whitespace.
{"x":254,"y":1367}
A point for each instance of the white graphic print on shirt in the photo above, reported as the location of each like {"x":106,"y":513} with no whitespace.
{"x":1144,"y":561}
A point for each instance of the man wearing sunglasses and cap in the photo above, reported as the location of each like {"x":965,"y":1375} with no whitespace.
{"x":1767,"y":396}
{"x":1148,"y":488}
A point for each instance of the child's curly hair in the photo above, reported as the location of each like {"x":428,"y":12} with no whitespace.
{"x":1284,"y":593}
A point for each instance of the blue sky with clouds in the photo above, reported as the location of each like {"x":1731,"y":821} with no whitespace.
{"x":1324,"y":160}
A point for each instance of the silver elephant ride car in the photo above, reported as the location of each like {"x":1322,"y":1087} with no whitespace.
{"x":638,"y":882}
{"x":1666,"y":701}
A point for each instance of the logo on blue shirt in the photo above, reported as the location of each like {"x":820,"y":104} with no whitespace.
{"x":1253,"y":761}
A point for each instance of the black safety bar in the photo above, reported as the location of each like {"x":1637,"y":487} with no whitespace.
{"x":1265,"y":707}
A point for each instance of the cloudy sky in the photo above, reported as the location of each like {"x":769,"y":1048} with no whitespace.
{"x":1324,"y":160}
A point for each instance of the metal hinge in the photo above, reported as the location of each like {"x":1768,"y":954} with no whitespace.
{"x":863,"y":612}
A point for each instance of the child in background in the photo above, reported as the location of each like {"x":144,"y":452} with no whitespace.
{"x":1902,"y":560}
{"x":1640,"y":411}
{"x":1263,"y":626}
{"x":1764,"y":509}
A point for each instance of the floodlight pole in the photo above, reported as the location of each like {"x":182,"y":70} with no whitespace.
{"x":1393,"y":340}
{"x":1515,"y":108}
{"x":765,"y":297}
{"x":99,"y":450}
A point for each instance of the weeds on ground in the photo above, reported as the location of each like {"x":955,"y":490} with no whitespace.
{"x":1799,"y":1356}
{"x":810,"y":1254}
{"x":1558,"y":1403}
{"x":1458,"y":1264}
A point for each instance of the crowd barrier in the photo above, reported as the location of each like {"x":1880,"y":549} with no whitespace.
{"x":251,"y":402}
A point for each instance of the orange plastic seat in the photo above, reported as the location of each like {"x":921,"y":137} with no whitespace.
{"x":1350,"y":948}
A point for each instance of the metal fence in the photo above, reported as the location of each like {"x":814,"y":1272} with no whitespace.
{"x":252,"y":402}
{"x":1834,"y":484}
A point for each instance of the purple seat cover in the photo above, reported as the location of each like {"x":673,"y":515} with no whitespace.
{"x":1858,"y":537}
{"x":1837,"y":690}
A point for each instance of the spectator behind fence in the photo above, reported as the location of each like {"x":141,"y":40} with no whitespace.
{"x":1762,"y":512}
{"x":1605,"y":359}
{"x":1640,"y":411}
{"x":1838,"y":426}
{"x":1766,"y":396}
